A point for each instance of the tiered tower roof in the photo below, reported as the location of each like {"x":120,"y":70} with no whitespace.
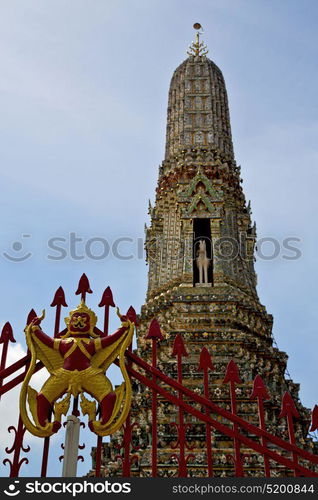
{"x":198,"y":111}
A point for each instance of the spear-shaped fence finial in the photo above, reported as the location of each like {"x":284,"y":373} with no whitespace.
{"x":83,"y":287}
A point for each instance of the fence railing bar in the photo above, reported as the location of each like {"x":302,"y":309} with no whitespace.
{"x":223,"y":429}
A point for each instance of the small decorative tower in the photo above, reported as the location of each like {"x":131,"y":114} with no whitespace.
{"x":202,"y":283}
{"x":199,"y":196}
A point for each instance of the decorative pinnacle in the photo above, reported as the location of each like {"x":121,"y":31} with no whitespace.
{"x":59,"y":298}
{"x":83,"y":286}
{"x":205,"y":360}
{"x":132,"y":316}
{"x":179,"y":347}
{"x":288,"y":407}
{"x":314,"y":419}
{"x":197,"y":48}
{"x":154,"y":331}
{"x":31,"y":316}
{"x":107,"y":298}
{"x":259,"y":389}
{"x":232,"y":373}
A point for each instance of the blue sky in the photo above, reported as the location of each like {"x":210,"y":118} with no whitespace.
{"x":83,"y":97}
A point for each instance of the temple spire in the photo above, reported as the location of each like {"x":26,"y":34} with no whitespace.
{"x":197,"y":48}
{"x":198,"y":114}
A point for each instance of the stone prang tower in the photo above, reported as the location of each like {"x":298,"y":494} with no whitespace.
{"x":200,"y":221}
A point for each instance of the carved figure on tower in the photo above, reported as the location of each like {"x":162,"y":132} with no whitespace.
{"x":203,"y":262}
{"x":77,"y":362}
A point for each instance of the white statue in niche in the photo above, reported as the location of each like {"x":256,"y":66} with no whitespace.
{"x":203,"y":262}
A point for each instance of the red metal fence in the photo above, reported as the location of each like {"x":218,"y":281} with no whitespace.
{"x":274,"y":450}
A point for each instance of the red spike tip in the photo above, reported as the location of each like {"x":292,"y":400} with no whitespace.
{"x":179,"y":347}
{"x":59,"y":298}
{"x":154,"y":331}
{"x":107,"y":298}
{"x":205,"y":362}
{"x":132,"y":316}
{"x":31,"y":316}
{"x":288,"y":407}
{"x":83,"y":285}
{"x":232,"y":373}
{"x":7,"y":334}
{"x":314,"y":419}
{"x":259,"y":389}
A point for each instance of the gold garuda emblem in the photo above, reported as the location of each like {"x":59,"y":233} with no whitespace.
{"x":77,"y":362}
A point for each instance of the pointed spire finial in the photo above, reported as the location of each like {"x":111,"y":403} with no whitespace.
{"x":197,"y":48}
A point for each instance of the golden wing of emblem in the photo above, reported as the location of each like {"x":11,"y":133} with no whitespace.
{"x":52,"y":360}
